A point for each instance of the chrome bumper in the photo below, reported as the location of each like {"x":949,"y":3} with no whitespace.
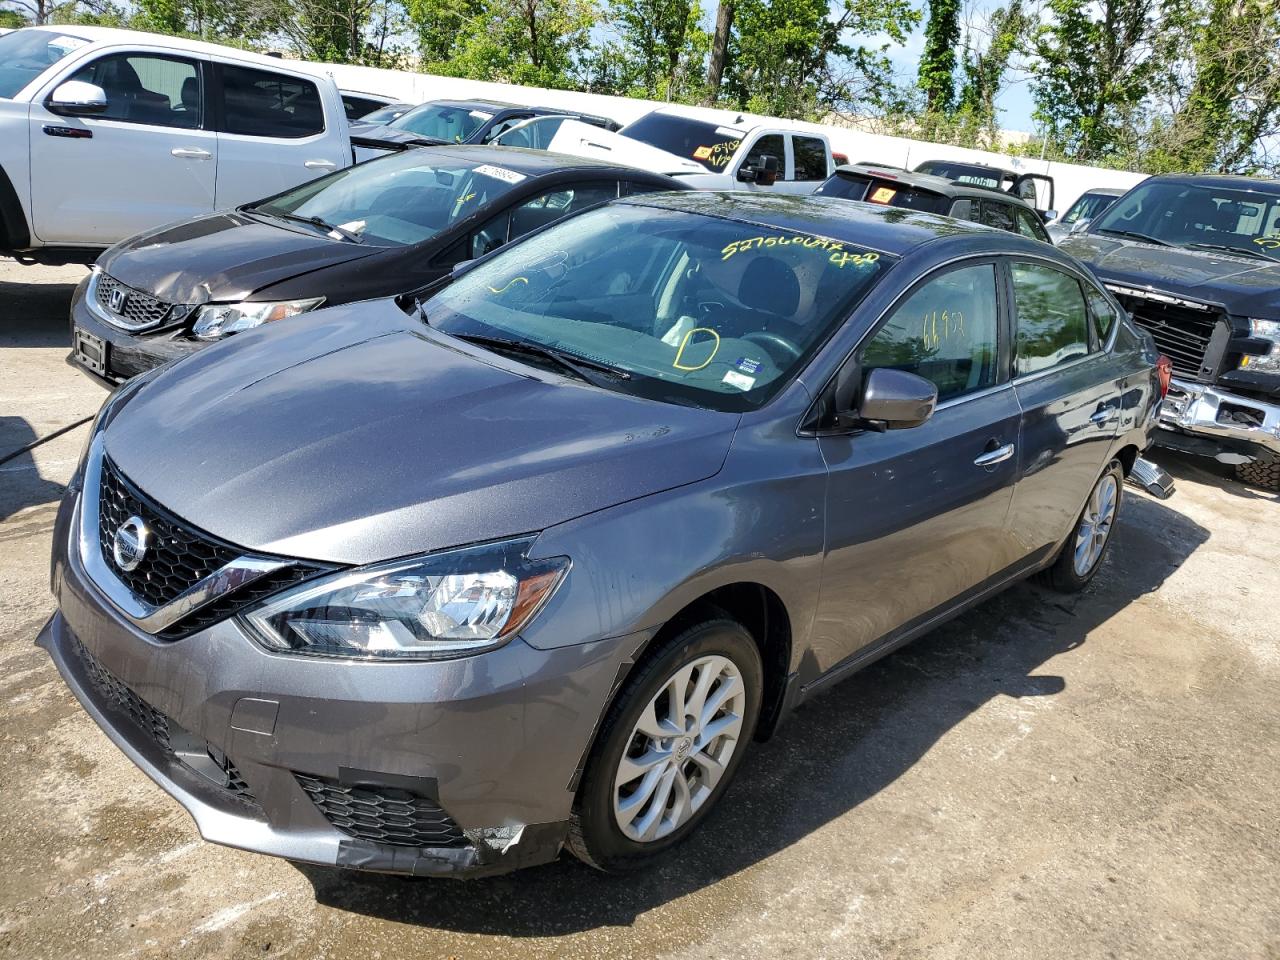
{"x":1199,"y":409}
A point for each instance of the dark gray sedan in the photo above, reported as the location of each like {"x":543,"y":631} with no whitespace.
{"x":441,"y":585}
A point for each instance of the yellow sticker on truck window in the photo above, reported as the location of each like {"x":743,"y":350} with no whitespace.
{"x":882,"y":194}
{"x":702,"y":153}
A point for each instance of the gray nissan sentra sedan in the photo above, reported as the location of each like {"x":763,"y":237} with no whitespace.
{"x":440,"y":585}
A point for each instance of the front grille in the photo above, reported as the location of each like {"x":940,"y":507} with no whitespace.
{"x":1182,"y":333}
{"x":196,"y":754}
{"x":179,"y":556}
{"x":383,"y":814}
{"x":137,"y":310}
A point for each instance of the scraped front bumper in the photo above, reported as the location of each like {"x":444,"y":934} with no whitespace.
{"x":1232,"y":428}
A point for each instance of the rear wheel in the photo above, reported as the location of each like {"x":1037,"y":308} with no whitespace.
{"x":669,"y":746}
{"x":1258,"y":474}
{"x":1082,"y":554}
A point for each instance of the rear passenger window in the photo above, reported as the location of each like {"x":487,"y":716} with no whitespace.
{"x":996,"y":214}
{"x":161,"y":91}
{"x":258,"y":103}
{"x":1027,"y":225}
{"x":946,"y":332}
{"x":1053,"y":326}
{"x":810,"y":158}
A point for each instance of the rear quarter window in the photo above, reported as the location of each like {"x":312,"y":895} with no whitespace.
{"x":259,"y":103}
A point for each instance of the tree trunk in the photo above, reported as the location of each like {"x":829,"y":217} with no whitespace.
{"x":719,"y":48}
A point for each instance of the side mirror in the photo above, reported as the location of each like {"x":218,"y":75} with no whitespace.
{"x":1048,"y":215}
{"x":75,"y":98}
{"x":896,"y":400}
{"x":765,"y":174}
{"x":1080,"y":226}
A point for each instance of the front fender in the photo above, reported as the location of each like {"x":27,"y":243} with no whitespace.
{"x":635,"y":566}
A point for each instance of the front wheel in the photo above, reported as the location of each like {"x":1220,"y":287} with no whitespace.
{"x":669,"y":746}
{"x":1258,"y":474}
{"x":1082,"y":554}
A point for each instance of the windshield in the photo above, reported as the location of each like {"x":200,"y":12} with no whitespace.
{"x":686,"y":308}
{"x":450,"y":124}
{"x":890,"y":193}
{"x":25,"y":54}
{"x":1088,"y":207}
{"x":963,"y":173}
{"x":397,"y":200}
{"x":386,"y":114}
{"x":1185,"y":214}
{"x":709,"y":145}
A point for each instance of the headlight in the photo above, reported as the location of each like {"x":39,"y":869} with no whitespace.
{"x":435,"y":607}
{"x":1266,"y":362}
{"x":219,"y":319}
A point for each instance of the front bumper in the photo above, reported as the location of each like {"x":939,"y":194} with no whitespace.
{"x":251,"y":740}
{"x":1234,"y":429}
{"x":128,"y":353}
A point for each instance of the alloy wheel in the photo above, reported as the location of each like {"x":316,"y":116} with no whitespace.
{"x":679,"y":748}
{"x":1095,"y":525}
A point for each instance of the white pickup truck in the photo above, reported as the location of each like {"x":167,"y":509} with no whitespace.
{"x":105,"y":133}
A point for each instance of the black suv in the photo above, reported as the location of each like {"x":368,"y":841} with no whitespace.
{"x":895,"y":187}
{"x":1196,"y":260}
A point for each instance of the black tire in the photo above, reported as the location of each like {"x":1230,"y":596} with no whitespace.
{"x":594,"y":834}
{"x":1259,"y":474}
{"x":1062,"y":575}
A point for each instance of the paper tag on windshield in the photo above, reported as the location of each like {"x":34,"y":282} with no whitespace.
{"x":499,"y":173}
{"x":735,"y":379}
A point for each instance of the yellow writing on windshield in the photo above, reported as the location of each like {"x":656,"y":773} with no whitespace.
{"x":685,"y":342}
{"x":940,"y":326}
{"x":757,"y":243}
{"x":857,"y":259}
{"x":1268,"y":243}
{"x":507,"y":286}
{"x":717,"y":154}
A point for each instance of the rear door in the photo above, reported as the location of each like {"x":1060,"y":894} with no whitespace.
{"x":150,"y":158}
{"x":1066,"y":381}
{"x":275,"y":130}
{"x":917,"y":518}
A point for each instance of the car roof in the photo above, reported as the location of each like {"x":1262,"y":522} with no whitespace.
{"x":118,"y":36}
{"x":932,"y":182}
{"x":1236,"y":181}
{"x":893,"y":230}
{"x":971,"y":164}
{"x":534,"y":163}
{"x":466,"y":104}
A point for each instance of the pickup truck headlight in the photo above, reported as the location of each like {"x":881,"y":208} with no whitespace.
{"x":435,"y":607}
{"x":216,"y":320}
{"x":1266,"y":362}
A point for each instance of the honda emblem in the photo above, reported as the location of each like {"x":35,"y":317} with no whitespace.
{"x":117,"y":300}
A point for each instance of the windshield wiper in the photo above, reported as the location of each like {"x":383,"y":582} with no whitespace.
{"x":320,"y":222}
{"x":580,"y":367}
{"x":1238,"y":251}
{"x":1134,"y":235}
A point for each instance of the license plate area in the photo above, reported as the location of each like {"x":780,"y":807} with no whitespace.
{"x":91,"y":352}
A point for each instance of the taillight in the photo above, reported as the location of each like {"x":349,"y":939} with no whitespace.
{"x":840,"y":158}
{"x":1164,"y":370}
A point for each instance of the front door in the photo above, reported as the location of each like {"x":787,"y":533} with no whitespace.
{"x":916,"y":518}
{"x":147,"y":160}
{"x":1066,"y":383}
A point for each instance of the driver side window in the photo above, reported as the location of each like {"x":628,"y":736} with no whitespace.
{"x":946,"y":331}
{"x":160,"y":91}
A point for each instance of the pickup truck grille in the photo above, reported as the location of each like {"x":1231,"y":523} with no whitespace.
{"x":1182,"y":329}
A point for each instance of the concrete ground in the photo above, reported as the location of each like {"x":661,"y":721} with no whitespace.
{"x":1094,"y":776}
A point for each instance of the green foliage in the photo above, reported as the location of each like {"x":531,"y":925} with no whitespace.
{"x":938,"y":62}
{"x":984,"y":70}
{"x":659,"y":53}
{"x":800,"y":58}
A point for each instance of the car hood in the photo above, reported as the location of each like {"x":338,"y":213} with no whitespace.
{"x":224,"y":257}
{"x":1243,"y":285}
{"x":394,"y":138}
{"x":355,"y":434}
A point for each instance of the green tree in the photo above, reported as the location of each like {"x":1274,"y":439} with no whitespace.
{"x":1095,"y":61}
{"x":938,"y":62}
{"x":801,"y":58}
{"x":660,"y":49}
{"x":984,"y":69}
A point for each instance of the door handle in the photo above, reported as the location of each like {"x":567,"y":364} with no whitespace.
{"x":992,"y":457}
{"x":190,"y":153}
{"x":319,"y":164}
{"x":1102,"y":416}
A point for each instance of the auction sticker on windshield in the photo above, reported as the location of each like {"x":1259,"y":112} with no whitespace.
{"x":499,"y":173}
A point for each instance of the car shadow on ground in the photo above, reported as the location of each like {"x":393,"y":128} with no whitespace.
{"x":1210,"y":472}
{"x":21,"y":485}
{"x":833,"y":754}
{"x":35,"y":314}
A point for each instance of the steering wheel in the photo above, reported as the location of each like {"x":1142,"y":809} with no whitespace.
{"x":773,"y":343}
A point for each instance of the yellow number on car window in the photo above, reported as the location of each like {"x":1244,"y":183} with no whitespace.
{"x":685,"y":342}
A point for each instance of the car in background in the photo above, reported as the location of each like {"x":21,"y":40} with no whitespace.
{"x":1035,"y":188}
{"x":453,"y":121}
{"x":726,"y":150}
{"x":1087,"y":206}
{"x":374,"y":230}
{"x":441,"y":585}
{"x":358,"y":105}
{"x":895,"y":187}
{"x":1195,"y":259}
{"x":105,"y":133}
{"x":387,"y":113}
